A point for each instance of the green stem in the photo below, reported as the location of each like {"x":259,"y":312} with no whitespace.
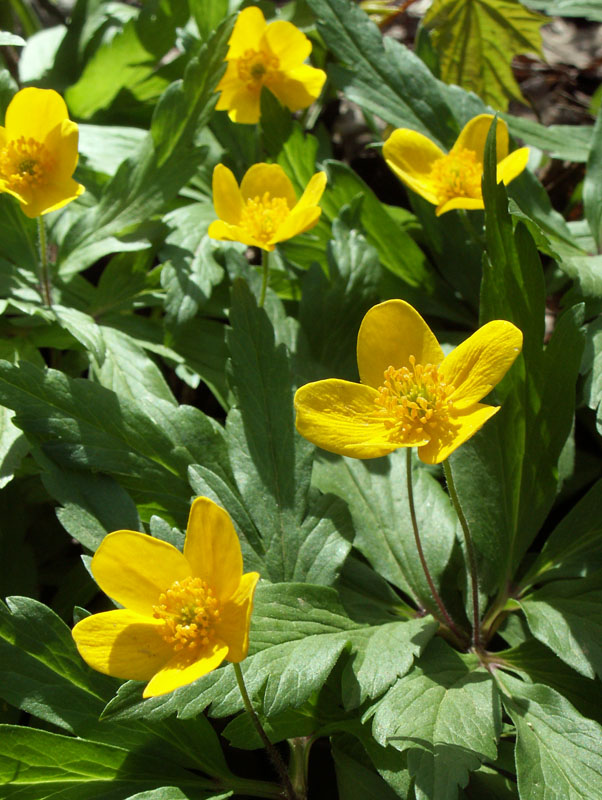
{"x":472,"y":560}
{"x":44,"y":274}
{"x":264,"y":278}
{"x":274,"y":755}
{"x":300,"y":747}
{"x":252,"y":788}
{"x":436,"y":596}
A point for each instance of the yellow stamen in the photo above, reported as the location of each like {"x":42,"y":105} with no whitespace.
{"x":190,"y":611}
{"x":256,"y":67}
{"x":25,"y":163}
{"x":457,"y":175}
{"x":262,"y":216}
{"x":415,"y":399}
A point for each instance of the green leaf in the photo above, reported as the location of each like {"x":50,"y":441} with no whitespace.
{"x":147,"y":444}
{"x":376,"y":493}
{"x":588,"y":9}
{"x":574,"y":548}
{"x":567,"y":617}
{"x":592,"y":191}
{"x":381,"y":75}
{"x":11,"y":38}
{"x":557,"y":750}
{"x":102,"y":148}
{"x":166,"y":159}
{"x":540,"y":665}
{"x":566,"y":142}
{"x":208,"y":14}
{"x":356,"y":777}
{"x":446,"y":714}
{"x":38,"y":764}
{"x":476,"y":41}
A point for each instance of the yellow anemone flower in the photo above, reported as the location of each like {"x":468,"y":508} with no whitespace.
{"x":184,"y":613}
{"x":264,"y":210}
{"x":409,"y":395}
{"x":452,"y":180}
{"x":38,"y":152}
{"x":271,"y":55}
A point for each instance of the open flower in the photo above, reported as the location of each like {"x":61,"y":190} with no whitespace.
{"x":264,"y":210}
{"x":184,"y":613}
{"x":38,"y":152}
{"x":409,"y":395}
{"x":452,"y":180}
{"x":271,"y":55}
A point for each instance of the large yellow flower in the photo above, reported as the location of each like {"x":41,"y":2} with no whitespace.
{"x":409,"y":395}
{"x":271,"y":55}
{"x":264,"y":210}
{"x":184,"y":613}
{"x":38,"y":152}
{"x":452,"y":180}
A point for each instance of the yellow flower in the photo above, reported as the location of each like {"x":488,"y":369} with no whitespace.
{"x":184,"y":613}
{"x":264,"y":210}
{"x":38,"y":152}
{"x":452,"y":180}
{"x":409,"y":395}
{"x":271,"y":55}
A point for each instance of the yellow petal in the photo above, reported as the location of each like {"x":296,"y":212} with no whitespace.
{"x":123,"y":644}
{"x":390,"y":333}
{"x":297,"y":88}
{"x":186,"y":667}
{"x":233,"y":233}
{"x":233,"y":627}
{"x":244,"y":107}
{"x":287,"y":43}
{"x":473,"y":136}
{"x":313,"y":191}
{"x":297,"y":222}
{"x":342,"y":417}
{"x":462,"y":426}
{"x":512,"y":165}
{"x":261,"y":178}
{"x":481,"y":361}
{"x":44,"y":199}
{"x":3,"y":136}
{"x":248,"y":30}
{"x":134,"y":569}
{"x":227,"y":199}
{"x":460,"y":202}
{"x":212,"y":548}
{"x":34,"y":112}
{"x":62,"y":142}
{"x":411,"y":156}
{"x":229,"y":84}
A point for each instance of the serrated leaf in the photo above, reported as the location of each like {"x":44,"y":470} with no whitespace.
{"x":558,"y":754}
{"x":356,"y":777}
{"x":476,"y":41}
{"x":446,"y":713}
{"x":567,"y":617}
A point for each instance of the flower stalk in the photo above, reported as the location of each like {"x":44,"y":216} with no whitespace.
{"x":264,"y":277}
{"x":273,"y":754}
{"x":460,"y":636}
{"x":44,"y":272}
{"x":470,"y":552}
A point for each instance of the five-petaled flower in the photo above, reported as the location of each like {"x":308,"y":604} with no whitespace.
{"x":264,"y":210}
{"x":452,"y":180}
{"x":184,"y":613}
{"x":38,"y":152}
{"x":270,"y":55}
{"x":409,"y":395}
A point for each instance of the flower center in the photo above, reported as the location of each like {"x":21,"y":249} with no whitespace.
{"x":25,"y":163}
{"x":190,"y":611}
{"x":262,"y":216}
{"x":414,"y":399}
{"x":457,"y":175}
{"x":255,"y":67}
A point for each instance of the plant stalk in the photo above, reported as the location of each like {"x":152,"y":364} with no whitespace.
{"x":264,"y":277}
{"x":300,"y":747}
{"x":44,"y":273}
{"x":472,"y":560}
{"x":274,"y":755}
{"x":435,"y":594}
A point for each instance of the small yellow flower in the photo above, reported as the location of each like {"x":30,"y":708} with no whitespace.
{"x":452,"y":180}
{"x":409,"y":395}
{"x":264,"y":210}
{"x":270,"y":55}
{"x":38,"y":152}
{"x":184,"y":613}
